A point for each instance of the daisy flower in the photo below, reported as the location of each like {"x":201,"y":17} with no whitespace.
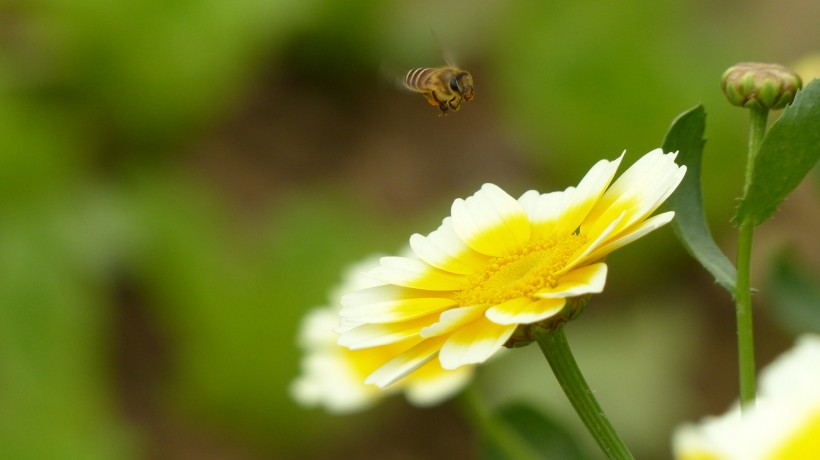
{"x":497,"y":263}
{"x":333,"y":376}
{"x":784,"y":423}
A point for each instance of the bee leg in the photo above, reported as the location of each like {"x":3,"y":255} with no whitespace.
{"x":432,"y":99}
{"x":454,"y":104}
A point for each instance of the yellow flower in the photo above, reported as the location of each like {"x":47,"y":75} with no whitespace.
{"x":784,"y":424}
{"x":333,"y":376}
{"x":497,"y":263}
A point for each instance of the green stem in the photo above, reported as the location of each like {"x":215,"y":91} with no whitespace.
{"x":504,"y":438}
{"x":554,"y":345}
{"x":743,"y":300}
{"x":757,"y":129}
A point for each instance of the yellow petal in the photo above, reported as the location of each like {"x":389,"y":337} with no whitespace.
{"x":373,"y":335}
{"x":452,"y":319}
{"x":406,"y":362}
{"x":474,"y":343}
{"x":638,"y":192}
{"x":632,"y":234}
{"x":525,"y":310}
{"x":388,"y":303}
{"x":584,"y":197}
{"x":443,"y":249}
{"x":589,"y":279}
{"x":491,"y":221}
{"x":545,"y":211}
{"x":415,"y":273}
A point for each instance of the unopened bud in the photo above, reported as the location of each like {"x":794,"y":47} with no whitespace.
{"x":762,"y":86}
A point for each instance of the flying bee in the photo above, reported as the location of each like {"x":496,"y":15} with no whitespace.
{"x":445,"y":87}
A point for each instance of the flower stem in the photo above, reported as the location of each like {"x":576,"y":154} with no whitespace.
{"x":743,"y":300}
{"x":757,"y":130}
{"x":500,"y":434}
{"x":554,"y":345}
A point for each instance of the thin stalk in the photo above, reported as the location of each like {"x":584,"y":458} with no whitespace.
{"x":743,"y":300}
{"x":757,"y":129}
{"x":554,"y":345}
{"x":743,"y":303}
{"x":508,"y":441}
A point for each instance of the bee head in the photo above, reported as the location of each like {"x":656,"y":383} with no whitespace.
{"x":462,"y":83}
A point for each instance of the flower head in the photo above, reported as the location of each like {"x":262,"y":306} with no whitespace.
{"x":784,"y":424}
{"x":333,"y":376}
{"x":766,"y":86}
{"x":498,"y":263}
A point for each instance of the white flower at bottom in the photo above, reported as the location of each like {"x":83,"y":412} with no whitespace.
{"x":334,"y":376}
{"x":784,"y":423}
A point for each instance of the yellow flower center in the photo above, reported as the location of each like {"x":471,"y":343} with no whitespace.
{"x":522,"y":272}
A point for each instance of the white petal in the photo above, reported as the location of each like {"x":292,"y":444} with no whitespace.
{"x":655,"y":165}
{"x":345,"y":325}
{"x":355,"y":277}
{"x":585,"y":280}
{"x":317,"y":328}
{"x":491,"y":221}
{"x":546,"y":210}
{"x":474,"y":343}
{"x":640,"y":190}
{"x":436,"y":384}
{"x":587,"y":194}
{"x":415,"y":273}
{"x":327,"y":380}
{"x":445,"y":250}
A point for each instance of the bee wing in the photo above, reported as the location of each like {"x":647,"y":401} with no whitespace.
{"x":446,"y":54}
{"x":393,"y":76}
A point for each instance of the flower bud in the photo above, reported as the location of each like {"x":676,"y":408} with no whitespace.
{"x":762,"y":86}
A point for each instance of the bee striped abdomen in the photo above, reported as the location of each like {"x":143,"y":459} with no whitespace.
{"x":415,"y":78}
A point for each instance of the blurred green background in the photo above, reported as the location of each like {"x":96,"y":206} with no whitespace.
{"x":181,"y":180}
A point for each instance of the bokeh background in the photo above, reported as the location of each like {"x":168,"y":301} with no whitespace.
{"x":180,"y":181}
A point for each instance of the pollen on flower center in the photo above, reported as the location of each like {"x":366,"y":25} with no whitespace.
{"x":521,"y":273}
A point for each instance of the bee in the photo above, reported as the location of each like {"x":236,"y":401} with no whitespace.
{"x":445,"y":87}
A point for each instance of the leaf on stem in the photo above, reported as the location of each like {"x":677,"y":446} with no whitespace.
{"x":788,"y":152}
{"x":686,"y":137}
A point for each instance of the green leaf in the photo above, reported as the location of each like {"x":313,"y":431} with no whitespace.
{"x":686,"y":137}
{"x":788,"y":152}
{"x":546,"y":436}
{"x":794,"y":295}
